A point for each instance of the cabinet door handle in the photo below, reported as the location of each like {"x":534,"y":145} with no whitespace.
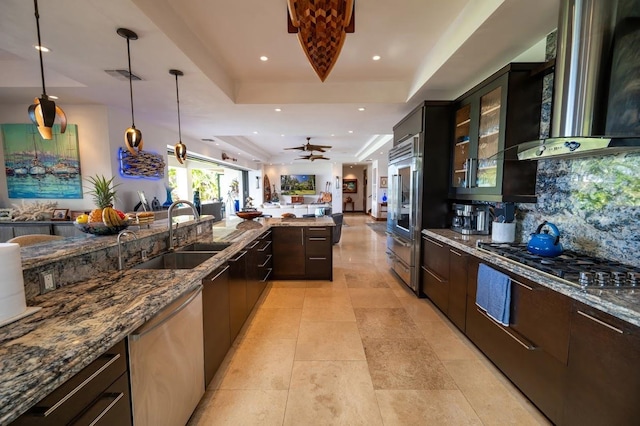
{"x":317,"y":258}
{"x":434,"y":275}
{"x":218,"y":274}
{"x":265,"y":247}
{"x":432,"y":241}
{"x":266,"y":261}
{"x":616,"y":329}
{"x":265,"y":235}
{"x":317,"y":229}
{"x":255,"y":243}
{"x":455,"y":252}
{"x":317,"y":239}
{"x":112,"y":358}
{"x":528,"y":347}
{"x":242,"y":253}
{"x":522,"y":285}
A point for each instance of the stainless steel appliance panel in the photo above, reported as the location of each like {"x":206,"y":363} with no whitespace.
{"x":166,"y":358}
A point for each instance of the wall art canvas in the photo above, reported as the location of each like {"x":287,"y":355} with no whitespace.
{"x":297,"y":184}
{"x":38,"y":168}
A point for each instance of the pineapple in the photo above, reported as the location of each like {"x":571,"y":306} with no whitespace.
{"x":104,"y":194}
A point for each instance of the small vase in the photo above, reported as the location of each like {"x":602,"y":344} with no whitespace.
{"x":236,"y":205}
{"x":384,"y":197}
{"x":196,"y":201}
{"x":169,"y":201}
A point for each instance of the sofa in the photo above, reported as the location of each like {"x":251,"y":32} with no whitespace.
{"x":300,"y":210}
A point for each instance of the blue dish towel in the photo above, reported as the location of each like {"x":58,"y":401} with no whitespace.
{"x":493,"y":293}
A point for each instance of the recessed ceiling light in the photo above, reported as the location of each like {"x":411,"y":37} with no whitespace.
{"x":376,"y":57}
{"x":282,"y":135}
{"x":278,"y":109}
{"x":361,"y":109}
{"x":238,"y":153}
{"x":350,"y":131}
{"x":264,"y":58}
{"x":255,"y":133}
{"x":42,"y":48}
{"x":52,"y":97}
{"x":217,"y":144}
{"x":332,"y":134}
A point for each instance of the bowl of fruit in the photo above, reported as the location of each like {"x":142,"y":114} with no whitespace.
{"x":104,"y":220}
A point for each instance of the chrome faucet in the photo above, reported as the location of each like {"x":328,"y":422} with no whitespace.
{"x":170,"y":218}
{"x":120,"y":235}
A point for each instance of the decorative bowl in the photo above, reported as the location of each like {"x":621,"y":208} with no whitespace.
{"x":99,"y":228}
{"x":249,"y":215}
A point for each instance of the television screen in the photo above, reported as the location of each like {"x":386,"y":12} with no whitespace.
{"x":298,"y":184}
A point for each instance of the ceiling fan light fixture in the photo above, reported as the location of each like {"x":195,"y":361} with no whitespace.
{"x":132,"y":136}
{"x":44,"y":111}
{"x":180,"y":148}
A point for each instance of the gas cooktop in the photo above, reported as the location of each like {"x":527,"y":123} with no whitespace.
{"x":576,"y":269}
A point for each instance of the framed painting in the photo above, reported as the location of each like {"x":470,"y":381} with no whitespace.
{"x":383,"y":181}
{"x":36,"y":168}
{"x":349,"y":186}
{"x":60,"y":214}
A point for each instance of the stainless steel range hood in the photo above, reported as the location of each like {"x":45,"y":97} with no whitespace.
{"x":591,"y":36}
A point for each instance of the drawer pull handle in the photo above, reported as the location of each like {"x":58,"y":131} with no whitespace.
{"x":523,"y":344}
{"x":432,"y":241}
{"x":242,"y":253}
{"x":265,"y":247}
{"x":317,"y":229}
{"x":317,"y":239}
{"x":113,"y":358}
{"x":455,"y":252}
{"x":218,"y":274}
{"x":266,"y":278}
{"x":266,"y":261}
{"x":434,"y":275}
{"x":255,"y":243}
{"x":317,"y":258}
{"x":116,"y":397}
{"x":600,"y":322}
{"x":522,"y":285}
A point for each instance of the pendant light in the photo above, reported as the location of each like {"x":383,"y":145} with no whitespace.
{"x":180,"y":148}
{"x":43,"y":111}
{"x":132,"y":136}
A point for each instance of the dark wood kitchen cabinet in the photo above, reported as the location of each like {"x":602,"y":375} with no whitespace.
{"x":254,"y":287}
{"x":98,"y":395}
{"x":493,"y":117}
{"x":533,"y":350}
{"x":435,"y":272}
{"x":265,"y":259}
{"x":238,"y":311}
{"x":457,"y":310}
{"x":215,"y":317}
{"x":603,"y":374}
{"x":302,"y":253}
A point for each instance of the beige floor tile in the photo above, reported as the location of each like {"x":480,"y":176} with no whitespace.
{"x":490,"y":399}
{"x":242,"y":407}
{"x":334,"y":312}
{"x":329,"y":340}
{"x":386,"y":323}
{"x":331,"y":393}
{"x":405,"y":364}
{"x":284,"y":298}
{"x":274,"y":323}
{"x":421,"y":310}
{"x":425,"y":407}
{"x":289,"y":284}
{"x":260,"y":364}
{"x":367,"y":280}
{"x":373,"y":298}
{"x":335,"y":284}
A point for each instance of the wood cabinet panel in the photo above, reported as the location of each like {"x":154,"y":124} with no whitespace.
{"x":435,"y":272}
{"x":216,"y":326}
{"x":288,"y":252}
{"x":457,"y":308}
{"x":238,"y":311}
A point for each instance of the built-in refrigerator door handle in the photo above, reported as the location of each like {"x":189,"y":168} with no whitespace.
{"x":472,"y":172}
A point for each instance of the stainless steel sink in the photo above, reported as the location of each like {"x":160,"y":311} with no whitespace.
{"x":176,"y":260}
{"x":203,"y":247}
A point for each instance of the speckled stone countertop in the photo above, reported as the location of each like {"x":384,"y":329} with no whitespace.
{"x":78,"y":322}
{"x":623,"y":304}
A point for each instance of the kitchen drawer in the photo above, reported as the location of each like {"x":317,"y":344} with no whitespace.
{"x":318,"y":246}
{"x":111,"y":408}
{"x":77,"y":393}
{"x":436,"y":288}
{"x":435,"y":257}
{"x":318,"y":231}
{"x":319,"y":268}
{"x":458,"y":266}
{"x":265,"y":236}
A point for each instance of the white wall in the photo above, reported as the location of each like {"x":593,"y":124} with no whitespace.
{"x":100,"y":134}
{"x":356,"y":172}
{"x":324,"y":172}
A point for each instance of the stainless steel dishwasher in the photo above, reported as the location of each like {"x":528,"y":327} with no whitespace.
{"x":166,"y":359}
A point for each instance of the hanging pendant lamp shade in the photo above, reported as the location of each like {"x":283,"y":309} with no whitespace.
{"x":132,"y":136}
{"x":43,"y":111}
{"x":180,"y":148}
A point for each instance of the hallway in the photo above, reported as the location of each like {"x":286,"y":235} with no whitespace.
{"x":361,"y":350}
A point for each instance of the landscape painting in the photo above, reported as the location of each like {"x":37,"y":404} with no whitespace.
{"x":38,"y":168}
{"x":298,"y":184}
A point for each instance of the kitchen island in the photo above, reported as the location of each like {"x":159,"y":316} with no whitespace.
{"x":79,"y":321}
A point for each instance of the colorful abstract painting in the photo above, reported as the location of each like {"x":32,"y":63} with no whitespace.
{"x":38,"y":168}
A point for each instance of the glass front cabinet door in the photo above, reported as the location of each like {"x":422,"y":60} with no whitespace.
{"x":484,"y":167}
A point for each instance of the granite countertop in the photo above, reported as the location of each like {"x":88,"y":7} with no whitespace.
{"x":622,"y":304}
{"x":79,"y":322}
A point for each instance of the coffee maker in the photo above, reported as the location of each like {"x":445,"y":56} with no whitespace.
{"x":471,"y":219}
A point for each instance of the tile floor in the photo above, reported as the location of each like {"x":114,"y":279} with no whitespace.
{"x":361,"y":350}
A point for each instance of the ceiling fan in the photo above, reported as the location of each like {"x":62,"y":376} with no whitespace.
{"x":310,"y":148}
{"x":313,"y":157}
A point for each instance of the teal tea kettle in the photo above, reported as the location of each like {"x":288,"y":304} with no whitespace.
{"x":545,"y":244}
